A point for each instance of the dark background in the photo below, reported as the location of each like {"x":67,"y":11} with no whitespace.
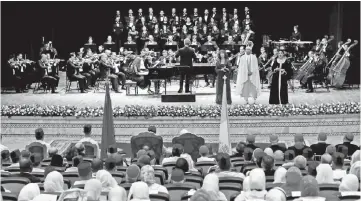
{"x":68,"y":24}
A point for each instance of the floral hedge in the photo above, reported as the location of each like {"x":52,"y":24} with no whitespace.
{"x":183,"y":110}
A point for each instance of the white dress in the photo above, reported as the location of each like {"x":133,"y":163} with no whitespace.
{"x":248,"y":86}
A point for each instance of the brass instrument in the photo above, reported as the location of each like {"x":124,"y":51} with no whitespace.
{"x":245,"y":42}
{"x":271,"y":59}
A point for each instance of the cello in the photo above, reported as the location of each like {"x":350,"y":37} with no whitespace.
{"x":341,"y":68}
{"x":332,"y":62}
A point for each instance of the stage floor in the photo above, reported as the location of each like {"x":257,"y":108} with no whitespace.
{"x":204,"y":96}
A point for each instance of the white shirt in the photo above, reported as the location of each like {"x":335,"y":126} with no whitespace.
{"x":72,"y":169}
{"x":91,"y":141}
{"x":170,"y":159}
{"x":205,"y":159}
{"x":35,"y":169}
{"x":80,"y":182}
{"x":44,"y":143}
{"x":339,"y":174}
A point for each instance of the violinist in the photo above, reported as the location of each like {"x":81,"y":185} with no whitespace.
{"x":317,"y":73}
{"x":90,"y":67}
{"x":18,"y":78}
{"x":118,"y":29}
{"x":317,"y":47}
{"x":72,"y":70}
{"x":104,"y":67}
{"x":195,"y":15}
{"x":90,"y":44}
{"x":115,"y":61}
{"x":88,"y":77}
{"x":44,"y":69}
{"x":135,"y":73}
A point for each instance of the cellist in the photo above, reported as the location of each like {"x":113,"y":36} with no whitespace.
{"x":317,"y":73}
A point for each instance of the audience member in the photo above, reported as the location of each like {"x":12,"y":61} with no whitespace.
{"x":117,"y":194}
{"x":267,"y":165}
{"x":251,"y":139}
{"x":56,"y":161}
{"x":26,"y":167}
{"x":299,"y":144}
{"x":224,"y":164}
{"x":119,"y":160}
{"x":132,"y":174}
{"x":268,"y":151}
{"x":52,"y":151}
{"x":93,"y":189}
{"x":246,"y":184}
{"x":310,"y":188}
{"x":96,"y":165}
{"x":25,"y":154}
{"x":143,"y":160}
{"x":15,"y":157}
{"x":308,"y":154}
{"x":36,"y":160}
{"x":324,"y":174}
{"x":80,"y":149}
{"x":355,"y":157}
{"x":311,"y":168}
{"x":111,"y":151}
{"x":39,"y":136}
{"x":76,"y":161}
{"x":110,"y":165}
{"x":248,"y":153}
{"x":355,"y":169}
{"x":342,"y":149}
{"x":87,"y":130}
{"x":29,"y":192}
{"x":320,"y":147}
{"x":348,"y":138}
{"x":211,"y":185}
{"x":106,"y":179}
{"x":280,"y":175}
{"x":293,"y":180}
{"x":139,"y":191}
{"x":177,"y":176}
{"x":349,"y":183}
{"x":85,"y":173}
{"x":276,"y":194}
{"x":330,"y":149}
{"x":204,"y":153}
{"x":257,"y":184}
{"x":201,"y":195}
{"x":5,"y":156}
{"x":278,"y":155}
{"x":54,"y":182}
{"x":337,"y":166}
{"x":147,"y":176}
{"x":240,"y":149}
{"x":190,"y":162}
{"x":300,"y":162}
{"x":176,"y":153}
{"x":257,"y":156}
{"x":274,"y":143}
{"x":326,"y":159}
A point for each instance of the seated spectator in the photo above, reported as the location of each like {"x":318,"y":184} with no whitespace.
{"x":80,"y":149}
{"x":326,"y":159}
{"x":310,"y":189}
{"x":153,"y":159}
{"x":257,"y":185}
{"x":15,"y":157}
{"x":267,"y":165}
{"x":257,"y":156}
{"x":106,"y":179}
{"x":87,"y":130}
{"x":5,"y":156}
{"x":300,"y":162}
{"x":240,"y":149}
{"x":96,"y":165}
{"x":349,"y":183}
{"x":247,"y":154}
{"x":93,"y":189}
{"x":278,"y":155}
{"x":147,"y":176}
{"x":143,"y":160}
{"x":177,"y":176}
{"x":289,"y":155}
{"x":36,"y":159}
{"x":337,"y":166}
{"x":29,"y":192}
{"x":85,"y":173}
{"x":54,"y":182}
{"x":293,"y":180}
{"x":111,"y":151}
{"x":330,"y":149}
{"x":255,"y":161}
{"x":311,"y":168}
{"x":324,"y":174}
{"x":224,"y":164}
{"x":76,"y":161}
{"x":280,"y":175}
{"x":211,"y":185}
{"x":355,"y":169}
{"x":176,"y":153}
{"x":201,"y":195}
{"x":119,"y":160}
{"x":355,"y":157}
{"x":117,"y":194}
{"x":268,"y":151}
{"x":25,"y":154}
{"x":320,"y":147}
{"x":139,"y":191}
{"x":191,"y":169}
{"x":274,"y":143}
{"x":308,"y":154}
{"x":56,"y":161}
{"x":141,"y":152}
{"x":204,"y":152}
{"x":347,"y":139}
{"x":52,"y":151}
{"x":299,"y":144}
{"x":39,"y":136}
{"x":246,"y":184}
{"x":132,"y":174}
{"x":251,"y":139}
{"x":276,"y":194}
{"x":26,"y":167}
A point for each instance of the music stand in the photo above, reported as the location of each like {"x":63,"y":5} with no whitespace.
{"x":131,"y":47}
{"x":153,"y":47}
{"x":93,"y":47}
{"x":110,"y":47}
{"x":172,"y":47}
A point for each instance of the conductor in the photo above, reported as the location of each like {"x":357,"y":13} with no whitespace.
{"x":186,"y":55}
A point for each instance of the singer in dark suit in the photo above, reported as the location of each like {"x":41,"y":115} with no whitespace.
{"x":186,"y":55}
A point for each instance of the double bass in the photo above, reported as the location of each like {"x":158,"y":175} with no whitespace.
{"x":338,"y":71}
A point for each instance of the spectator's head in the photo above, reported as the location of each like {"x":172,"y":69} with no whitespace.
{"x":56,"y":161}
{"x":112,"y":149}
{"x":322,"y":137}
{"x":132,"y":173}
{"x":85,"y":170}
{"x":147,"y":175}
{"x":54,"y":182}
{"x":5,"y":156}
{"x":251,"y":139}
{"x":224,"y":161}
{"x":118,"y":160}
{"x":35,"y":159}
{"x":299,"y":146}
{"x":278,"y":155}
{"x":110,"y":164}
{"x":139,"y":190}
{"x":247,"y":154}
{"x":117,"y":194}
{"x":52,"y":151}
{"x":308,"y":153}
{"x":187,"y":42}
{"x":355,"y":169}
{"x":141,"y":152}
{"x":289,"y":155}
{"x":80,"y":148}
{"x":348,"y":137}
{"x":343,"y":149}
{"x":330,"y":149}
{"x":144,"y":160}
{"x":25,"y":154}
{"x":300,"y":162}
{"x":355,"y":157}
{"x":29,"y":192}
{"x":87,"y":129}
{"x":201,"y":195}
{"x":189,"y":161}
{"x":312,"y":169}
{"x":177,"y":176}
{"x":152,"y":129}
{"x":298,"y":138}
{"x":268,"y":151}
{"x":267,"y":162}
{"x":280,"y":175}
{"x":25,"y":165}
{"x":93,"y":189}
{"x":326,"y":159}
{"x":257,"y":156}
{"x":39,"y":134}
{"x":96,"y":165}
{"x":177,"y":150}
{"x":337,"y":160}
{"x":15,"y":156}
{"x":309,"y":187}
{"x":324,"y":174}
{"x":77,"y":160}
{"x":106,"y":179}
{"x":203,"y":151}
{"x":211,"y":184}
{"x":293,"y":176}
{"x":182,"y":164}
{"x":273,"y":139}
{"x":257,"y":180}
{"x":240,"y":147}
{"x":276,"y":194}
{"x":349,"y":182}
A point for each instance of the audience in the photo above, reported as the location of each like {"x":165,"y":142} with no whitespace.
{"x":280,"y":175}
{"x":349,"y":183}
{"x":300,"y":162}
{"x":257,"y":186}
{"x":310,"y":188}
{"x":76,"y":161}
{"x":204,"y":153}
{"x":355,"y":169}
{"x":276,"y":194}
{"x":117,"y":194}
{"x":274,"y":143}
{"x":330,"y":149}
{"x":139,"y":191}
{"x":299,"y":144}
{"x":326,"y":159}
{"x":211,"y":185}
{"x":143,"y":160}
{"x":54,"y":182}
{"x":224,"y":165}
{"x":267,"y":165}
{"x":278,"y":155}
{"x":96,"y":165}
{"x":337,"y":165}
{"x":39,"y":136}
{"x":132,"y":174}
{"x":106,"y":179}
{"x":176,"y":153}
{"x":87,"y":130}
{"x":348,"y":138}
{"x":251,"y":139}
{"x":93,"y":188}
{"x":177,"y":176}
{"x":324,"y":174}
{"x":320,"y":147}
{"x":15,"y":157}
{"x":56,"y":161}
{"x":147,"y":176}
{"x":26,"y":167}
{"x":240,"y":149}
{"x":189,"y":168}
{"x":36,"y":160}
{"x":110,"y":165}
{"x":29,"y":192}
{"x":201,"y":195}
{"x":85,"y":173}
{"x":268,"y":151}
{"x":52,"y":151}
{"x":293,"y":180}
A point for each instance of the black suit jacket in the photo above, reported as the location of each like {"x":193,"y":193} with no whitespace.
{"x":31,"y":177}
{"x":276,"y":147}
{"x":351,"y":147}
{"x":319,"y":148}
{"x":252,"y":146}
{"x":186,"y":55}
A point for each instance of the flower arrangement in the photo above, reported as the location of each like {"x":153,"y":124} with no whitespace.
{"x":183,"y":110}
